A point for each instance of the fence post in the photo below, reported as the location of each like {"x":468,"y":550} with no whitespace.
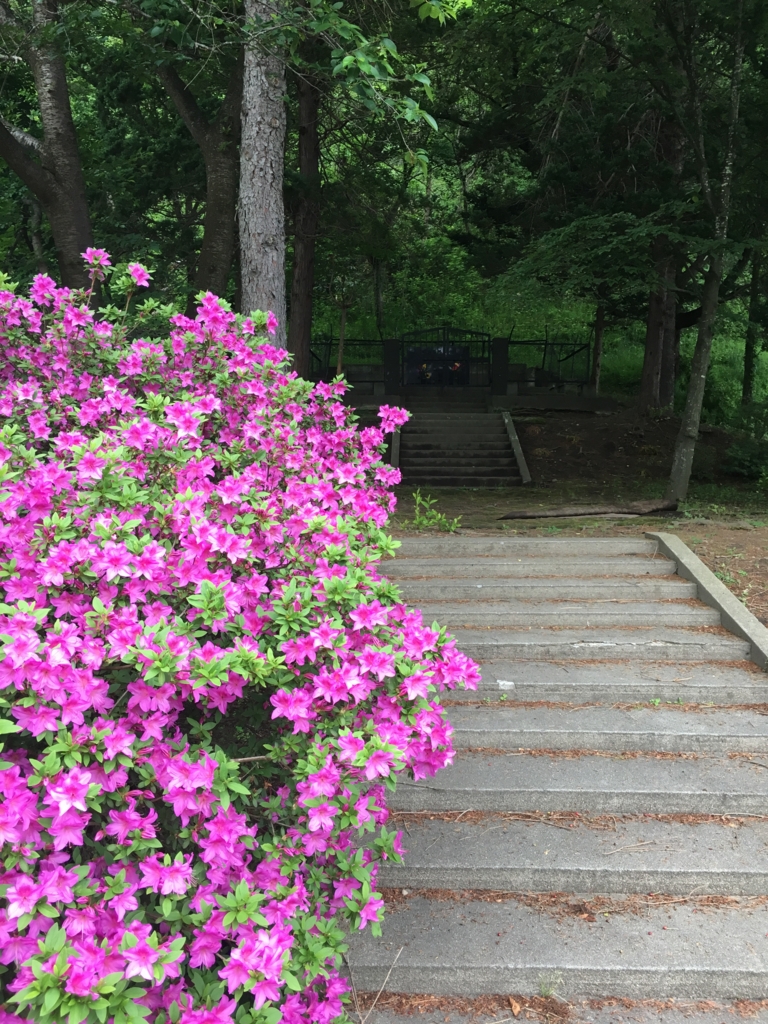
{"x":391,"y":366}
{"x":499,"y":366}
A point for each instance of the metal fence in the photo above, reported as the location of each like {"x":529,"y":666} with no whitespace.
{"x":324,"y":351}
{"x":449,"y":356}
{"x":553,"y":360}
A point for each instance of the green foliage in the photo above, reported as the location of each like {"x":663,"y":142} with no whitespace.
{"x":748,"y":457}
{"x":427,"y":517}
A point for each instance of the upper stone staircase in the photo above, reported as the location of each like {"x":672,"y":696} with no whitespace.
{"x":603,"y":832}
{"x":453,"y":441}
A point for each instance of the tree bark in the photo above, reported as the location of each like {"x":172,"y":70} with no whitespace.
{"x":752,"y":344}
{"x":720,"y":205}
{"x":261,"y":216}
{"x":306,"y":221}
{"x":379,"y":281}
{"x":51,"y":168}
{"x":654,"y":336}
{"x":218,"y":140}
{"x":342,"y":334}
{"x":632,"y":508}
{"x":670,"y":342}
{"x":597,"y":350}
{"x":682,"y":460}
{"x":35,"y":237}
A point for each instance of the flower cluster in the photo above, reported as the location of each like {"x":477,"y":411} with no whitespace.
{"x":206,"y":684}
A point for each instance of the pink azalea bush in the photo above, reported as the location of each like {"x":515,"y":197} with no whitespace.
{"x":207,"y":685}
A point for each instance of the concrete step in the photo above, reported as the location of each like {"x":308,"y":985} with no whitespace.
{"x":426,"y":479}
{"x":475,"y":415}
{"x":477,"y":569}
{"x":603,"y":728}
{"x":471,"y":427}
{"x":609,"y":681}
{"x":587,"y":1011}
{"x":458,"y":462}
{"x":440,"y":446}
{"x":455,"y":613}
{"x":466,"y":546}
{"x":544,"y":589}
{"x":638,"y":855}
{"x":443,"y":450}
{"x":590,"y":784}
{"x":471,"y":948}
{"x":658,"y":643}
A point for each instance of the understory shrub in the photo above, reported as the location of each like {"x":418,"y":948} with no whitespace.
{"x":207,"y":686}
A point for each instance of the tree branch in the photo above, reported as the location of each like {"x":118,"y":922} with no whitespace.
{"x":229,"y":111}
{"x":733,"y":120}
{"x":185,"y":104}
{"x":29,"y":142}
{"x":35,"y":177}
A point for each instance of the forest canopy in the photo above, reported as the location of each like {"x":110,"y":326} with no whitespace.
{"x":594,"y":168}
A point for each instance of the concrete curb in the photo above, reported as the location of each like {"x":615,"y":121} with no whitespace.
{"x":733,"y":614}
{"x":514,"y":440}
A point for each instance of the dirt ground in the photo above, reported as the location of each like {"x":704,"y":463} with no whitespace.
{"x":615,"y":453}
{"x":586,"y":459}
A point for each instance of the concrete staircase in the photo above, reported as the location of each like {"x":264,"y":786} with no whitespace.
{"x":453,"y":441}
{"x":590,"y":840}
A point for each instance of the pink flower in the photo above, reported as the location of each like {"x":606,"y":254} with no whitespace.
{"x":57,"y":885}
{"x":177,"y":878}
{"x":68,"y":828}
{"x":139,"y":274}
{"x":350,"y":746}
{"x":90,"y":467}
{"x":272,"y":323}
{"x":96,"y":257}
{"x":43,"y":289}
{"x":378,"y":762}
{"x":141,"y":959}
{"x":69,"y":790}
{"x":321,"y":817}
{"x":22,"y":896}
{"x":371,"y":911}
{"x":392,"y":417}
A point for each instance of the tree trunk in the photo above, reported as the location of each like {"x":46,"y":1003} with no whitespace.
{"x":218,"y":140}
{"x":682,"y":461}
{"x":261,"y":215}
{"x":752,"y":346}
{"x":35,"y":237}
{"x":379,"y":280}
{"x":306,"y":221}
{"x":51,"y":168}
{"x":342,"y":333}
{"x":654,"y":335}
{"x":720,"y":205}
{"x":597,"y":351}
{"x":670,"y":342}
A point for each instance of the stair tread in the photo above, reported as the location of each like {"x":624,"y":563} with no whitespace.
{"x":590,"y":783}
{"x":604,"y":728}
{"x":454,"y":612}
{"x":474,"y":947}
{"x":637,"y":855}
{"x":480,"y":567}
{"x":465,"y":546}
{"x":541,"y":590}
{"x":616,"y":679}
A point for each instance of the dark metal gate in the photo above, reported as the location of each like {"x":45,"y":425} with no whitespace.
{"x":446,"y":357}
